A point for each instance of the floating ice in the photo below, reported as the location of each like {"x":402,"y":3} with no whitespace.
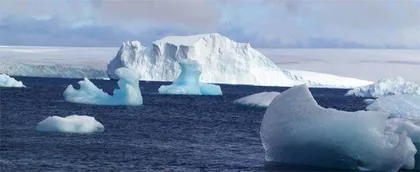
{"x":188,"y":81}
{"x":402,"y":106}
{"x":262,"y":99}
{"x":222,"y":61}
{"x":368,"y":101}
{"x":128,"y":94}
{"x":7,"y":81}
{"x":70,"y":124}
{"x":296,"y":130}
{"x":385,"y":87}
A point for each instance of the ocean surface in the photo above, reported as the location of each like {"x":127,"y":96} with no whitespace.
{"x":167,"y":133}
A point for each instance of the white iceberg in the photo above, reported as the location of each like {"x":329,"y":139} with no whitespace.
{"x":222,"y":60}
{"x":188,"y":81}
{"x":7,"y":81}
{"x":262,"y":99}
{"x":385,"y":87}
{"x":70,"y":124}
{"x":401,"y":106}
{"x":296,"y":130}
{"x":128,"y":94}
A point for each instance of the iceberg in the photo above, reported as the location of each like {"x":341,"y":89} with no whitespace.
{"x":188,"y":81}
{"x":296,"y":130}
{"x":385,"y":87}
{"x":70,"y":124}
{"x":400,"y":106}
{"x":222,"y":60}
{"x":128,"y":94}
{"x":7,"y":81}
{"x":262,"y":99}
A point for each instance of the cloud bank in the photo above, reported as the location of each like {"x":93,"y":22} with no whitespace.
{"x":263,"y":23}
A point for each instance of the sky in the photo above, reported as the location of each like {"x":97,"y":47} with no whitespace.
{"x":262,"y":23}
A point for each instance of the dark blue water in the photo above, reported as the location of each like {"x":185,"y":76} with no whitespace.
{"x":168,"y":133}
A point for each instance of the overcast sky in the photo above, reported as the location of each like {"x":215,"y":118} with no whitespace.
{"x":263,"y":23}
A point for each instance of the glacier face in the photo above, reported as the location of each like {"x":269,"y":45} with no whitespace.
{"x":7,"y":81}
{"x":128,"y":94}
{"x":53,"y":71}
{"x":222,"y":61}
{"x":70,"y":124}
{"x":386,"y":87}
{"x":262,"y":99}
{"x":188,"y":81}
{"x":296,"y":130}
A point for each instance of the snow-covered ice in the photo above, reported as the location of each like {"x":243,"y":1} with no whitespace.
{"x":188,"y":81}
{"x":385,"y":87}
{"x":7,"y":81}
{"x":262,"y":99}
{"x":222,"y":61}
{"x":53,"y":71}
{"x":296,"y":130}
{"x":366,"y":64}
{"x":401,"y":106}
{"x":77,"y":57}
{"x":128,"y":94}
{"x":70,"y":124}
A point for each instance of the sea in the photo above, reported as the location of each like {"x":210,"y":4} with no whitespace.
{"x":167,"y":133}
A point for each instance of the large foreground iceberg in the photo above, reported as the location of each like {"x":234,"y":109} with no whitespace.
{"x":7,"y":81}
{"x":188,"y":81}
{"x":385,"y":87}
{"x":262,"y":99}
{"x":222,"y":60}
{"x":401,"y":106}
{"x":70,"y":124}
{"x":296,"y":130}
{"x":128,"y":94}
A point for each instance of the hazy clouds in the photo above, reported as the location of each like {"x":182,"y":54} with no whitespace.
{"x":264,"y":23}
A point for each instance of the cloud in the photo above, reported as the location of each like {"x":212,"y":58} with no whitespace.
{"x":263,"y":23}
{"x":199,"y":14}
{"x":344,"y":23}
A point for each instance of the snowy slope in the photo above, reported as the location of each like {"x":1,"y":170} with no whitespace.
{"x":62,"y":62}
{"x":223,"y":61}
{"x":366,"y":64}
{"x":55,"y":71}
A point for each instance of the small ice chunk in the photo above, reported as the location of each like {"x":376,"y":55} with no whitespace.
{"x":368,"y":101}
{"x":385,"y":87}
{"x":70,"y":124}
{"x":296,"y":130}
{"x":262,"y":99}
{"x":7,"y":81}
{"x":401,"y":106}
{"x":128,"y":94}
{"x":188,"y":81}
